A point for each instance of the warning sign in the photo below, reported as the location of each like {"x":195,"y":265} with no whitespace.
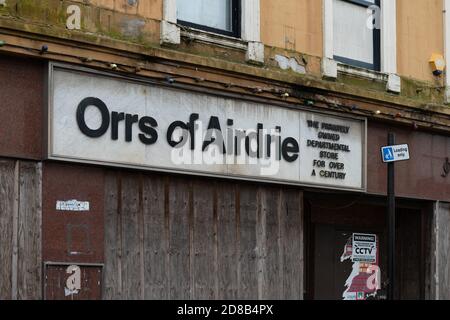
{"x":364,"y":248}
{"x":365,"y":278}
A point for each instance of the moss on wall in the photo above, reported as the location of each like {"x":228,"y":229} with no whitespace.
{"x":99,"y":23}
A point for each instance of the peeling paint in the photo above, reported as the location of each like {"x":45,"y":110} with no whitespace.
{"x":286,"y":63}
{"x":133,"y":27}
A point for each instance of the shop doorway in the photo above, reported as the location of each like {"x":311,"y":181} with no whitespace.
{"x":332,"y":220}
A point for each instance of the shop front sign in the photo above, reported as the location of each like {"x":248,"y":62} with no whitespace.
{"x":109,"y":120}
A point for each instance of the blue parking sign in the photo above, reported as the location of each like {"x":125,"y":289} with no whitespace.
{"x":395,"y":153}
{"x":388,"y":154}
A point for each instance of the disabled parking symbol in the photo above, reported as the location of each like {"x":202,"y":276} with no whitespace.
{"x":388,"y":154}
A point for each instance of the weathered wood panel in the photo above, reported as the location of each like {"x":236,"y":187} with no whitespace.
{"x":7,"y":199}
{"x":247,"y":268}
{"x":292,"y":229}
{"x":173,"y":237}
{"x":29,"y":232}
{"x":440,"y":285}
{"x":227,"y":244}
{"x":179,"y":240}
{"x":203,"y":244}
{"x":270,"y":255}
{"x":112,"y":287}
{"x":155,"y":240}
{"x":20,"y":230}
{"x":131,"y":276}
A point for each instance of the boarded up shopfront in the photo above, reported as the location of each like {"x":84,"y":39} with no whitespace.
{"x":172,"y":236}
{"x":169,"y":237}
{"x":139,"y":226}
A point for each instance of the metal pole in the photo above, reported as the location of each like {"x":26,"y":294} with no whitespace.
{"x":391,"y":223}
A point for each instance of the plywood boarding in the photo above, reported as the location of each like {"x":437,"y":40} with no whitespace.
{"x":440,"y":264}
{"x":170,"y":237}
{"x":20,"y":230}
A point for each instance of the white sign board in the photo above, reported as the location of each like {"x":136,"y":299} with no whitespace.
{"x":364,"y":248}
{"x":72,"y":205}
{"x":102,"y":119}
{"x":395,"y":153}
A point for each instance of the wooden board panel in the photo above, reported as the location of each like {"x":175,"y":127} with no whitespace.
{"x":442,"y":229}
{"x":29,"y":269}
{"x":292,"y":228}
{"x":176,"y":238}
{"x":131,"y":261}
{"x":178,"y":195}
{"x":155,"y":239}
{"x":6,"y":227}
{"x":112,"y":285}
{"x":20,"y":230}
{"x":247,"y":268}
{"x":203,"y":243}
{"x":227,"y":242}
{"x":270,"y":276}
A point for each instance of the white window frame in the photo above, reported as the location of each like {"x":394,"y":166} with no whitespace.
{"x":250,"y":40}
{"x":388,"y":54}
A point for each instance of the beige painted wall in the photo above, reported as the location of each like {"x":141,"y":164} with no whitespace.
{"x":419,"y":35}
{"x":293,"y":25}
{"x":297,"y":25}
{"x":151,"y":9}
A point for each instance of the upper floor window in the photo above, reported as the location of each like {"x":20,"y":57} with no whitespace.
{"x":356,"y":33}
{"x":218,"y":16}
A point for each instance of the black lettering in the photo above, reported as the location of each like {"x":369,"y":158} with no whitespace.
{"x":313,"y":124}
{"x":173,"y":126}
{"x":259,"y":141}
{"x":290,"y":149}
{"x":130,"y":120}
{"x":194,"y":117}
{"x":240,"y":135}
{"x":269,"y":143}
{"x":214,"y":124}
{"x":149,"y":135}
{"x":115,"y":119}
{"x":329,"y":136}
{"x":278,"y":129}
{"x":81,"y":110}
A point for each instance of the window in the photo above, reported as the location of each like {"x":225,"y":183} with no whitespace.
{"x":218,"y":16}
{"x":355,"y":43}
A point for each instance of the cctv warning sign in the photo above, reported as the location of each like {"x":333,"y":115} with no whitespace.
{"x":364,"y":248}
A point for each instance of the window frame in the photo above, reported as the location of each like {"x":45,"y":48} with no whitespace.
{"x":236,"y":23}
{"x":376,"y":65}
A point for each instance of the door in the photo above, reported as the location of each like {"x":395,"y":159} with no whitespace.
{"x":334,"y":275}
{"x":330,"y":228}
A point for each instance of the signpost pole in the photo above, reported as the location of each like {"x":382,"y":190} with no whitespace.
{"x":391,"y":223}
